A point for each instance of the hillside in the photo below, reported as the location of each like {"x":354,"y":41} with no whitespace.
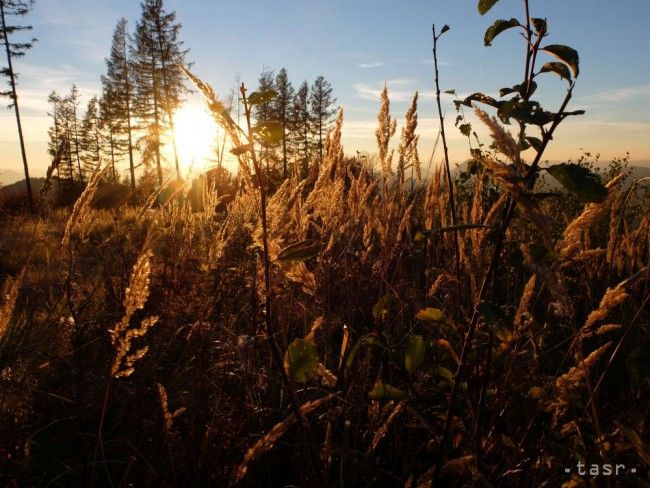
{"x":19,"y":186}
{"x":9,"y":176}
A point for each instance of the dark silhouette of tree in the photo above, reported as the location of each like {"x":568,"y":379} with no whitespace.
{"x":112,"y":146}
{"x":282,"y":114}
{"x":90,"y":142}
{"x":266,"y":112}
{"x":117,"y":99}
{"x":16,"y":8}
{"x":60,"y":134}
{"x":301,"y":127}
{"x":322,"y":111}
{"x":160,"y":83}
{"x":72,"y":102}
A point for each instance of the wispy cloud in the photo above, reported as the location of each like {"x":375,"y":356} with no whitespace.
{"x":399,"y":90}
{"x":374,"y":64}
{"x":368,"y":60}
{"x":357,"y":55}
{"x":430,"y":61}
{"x":88,"y":29}
{"x":37,"y":82}
{"x":621,"y":94}
{"x":608,"y":126}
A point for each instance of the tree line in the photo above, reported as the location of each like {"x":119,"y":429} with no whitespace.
{"x":143,"y":86}
{"x":141,"y":89}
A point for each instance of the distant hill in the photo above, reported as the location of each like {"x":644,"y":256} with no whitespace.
{"x":640,"y":172}
{"x":19,"y":186}
{"x":9,"y":176}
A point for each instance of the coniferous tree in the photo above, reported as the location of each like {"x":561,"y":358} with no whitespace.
{"x":322,"y":111}
{"x":282,"y":114}
{"x":60,"y":134}
{"x":13,"y":8}
{"x":117,"y":100}
{"x":160,"y":83}
{"x":112,"y":146}
{"x":265,"y":112}
{"x":301,"y":127}
{"x":90,"y":144}
{"x":72,"y":119}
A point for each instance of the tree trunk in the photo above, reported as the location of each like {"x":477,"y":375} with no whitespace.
{"x":14,"y":96}
{"x":155,"y":113}
{"x":128,"y":120}
{"x":167,"y":106}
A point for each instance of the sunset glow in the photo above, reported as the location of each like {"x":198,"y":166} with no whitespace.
{"x":195,"y":134}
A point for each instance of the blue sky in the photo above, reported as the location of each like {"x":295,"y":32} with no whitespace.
{"x":358,"y":46}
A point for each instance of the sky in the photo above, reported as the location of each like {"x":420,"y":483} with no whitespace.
{"x":360,"y":45}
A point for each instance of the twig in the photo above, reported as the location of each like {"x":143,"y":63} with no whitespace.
{"x":450,"y":183}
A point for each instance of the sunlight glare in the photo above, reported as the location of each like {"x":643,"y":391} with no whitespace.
{"x":195,"y":132}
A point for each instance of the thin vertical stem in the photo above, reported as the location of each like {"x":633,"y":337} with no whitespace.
{"x":450,"y":183}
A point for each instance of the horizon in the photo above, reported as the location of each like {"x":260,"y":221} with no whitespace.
{"x":357,"y":62}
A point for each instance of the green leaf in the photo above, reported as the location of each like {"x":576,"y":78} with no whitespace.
{"x":444,"y":29}
{"x":301,"y":360}
{"x":414,"y":352}
{"x":380,"y":309}
{"x":497,"y":28}
{"x":506,"y":108}
{"x":485,"y":5}
{"x":383,"y":391}
{"x":478,"y":97}
{"x":366,"y":339}
{"x":536,"y":142}
{"x":558,"y":68}
{"x":496,"y":319}
{"x":580,"y":181}
{"x":519,"y":89}
{"x":540,"y":25}
{"x":565,"y":54}
{"x":238,"y":151}
{"x":430,"y":315}
{"x":530,"y":113}
{"x":300,"y":251}
{"x":443,"y":373}
{"x":541,"y":254}
{"x":258,"y":98}
{"x":465,"y":129}
{"x":269,"y":132}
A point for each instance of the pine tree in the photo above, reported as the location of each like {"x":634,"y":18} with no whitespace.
{"x":160,"y":83}
{"x":282,"y":114}
{"x":265,"y":112}
{"x":301,"y":127}
{"x":112,"y":146}
{"x":322,"y":110}
{"x":60,"y":134}
{"x":9,"y":8}
{"x":90,"y":144}
{"x":72,"y":103}
{"x":117,"y":100}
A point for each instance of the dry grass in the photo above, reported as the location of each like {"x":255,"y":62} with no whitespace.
{"x":385,"y":251}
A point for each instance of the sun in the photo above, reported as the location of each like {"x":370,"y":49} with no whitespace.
{"x":195,"y":133}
